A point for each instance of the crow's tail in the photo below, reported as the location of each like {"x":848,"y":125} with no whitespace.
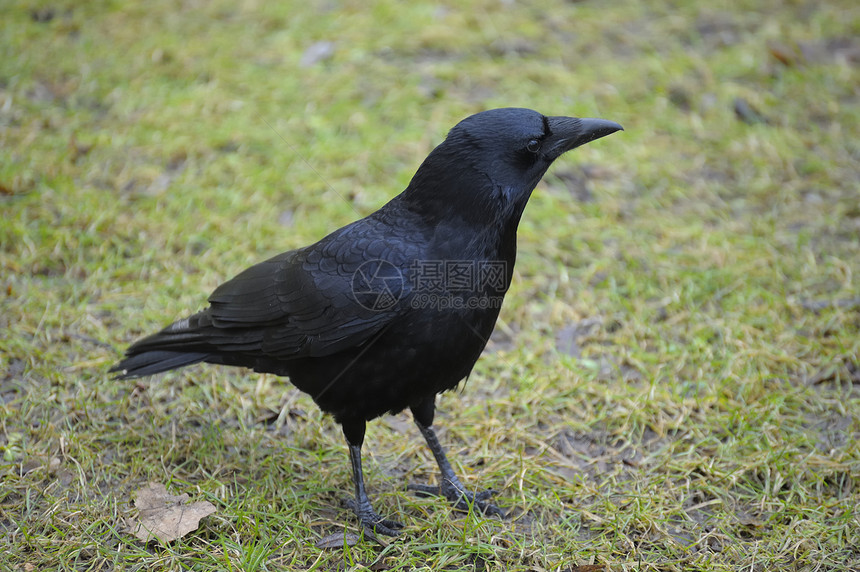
{"x":179,"y":344}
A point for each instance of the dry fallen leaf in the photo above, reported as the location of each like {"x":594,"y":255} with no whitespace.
{"x":338,"y":540}
{"x":165,"y":516}
{"x":783,"y":53}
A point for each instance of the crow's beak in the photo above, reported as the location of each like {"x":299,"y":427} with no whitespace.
{"x":571,"y":132}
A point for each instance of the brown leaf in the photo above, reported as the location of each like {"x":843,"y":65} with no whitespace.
{"x":165,"y":516}
{"x":338,"y":540}
{"x":783,"y":53}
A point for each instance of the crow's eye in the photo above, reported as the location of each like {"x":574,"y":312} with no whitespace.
{"x":533,"y":146}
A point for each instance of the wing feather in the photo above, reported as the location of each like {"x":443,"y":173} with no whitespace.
{"x":302,"y":302}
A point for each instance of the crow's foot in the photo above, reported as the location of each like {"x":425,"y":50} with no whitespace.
{"x":372,"y":522}
{"x":461,"y":498}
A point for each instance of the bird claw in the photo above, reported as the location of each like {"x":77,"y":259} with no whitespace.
{"x":461,"y":498}
{"x":372,"y":522}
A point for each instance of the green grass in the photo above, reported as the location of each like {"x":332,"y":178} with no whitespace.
{"x":673,"y":381}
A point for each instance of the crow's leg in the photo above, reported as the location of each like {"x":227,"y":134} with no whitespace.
{"x":450,"y":486}
{"x":368,"y":517}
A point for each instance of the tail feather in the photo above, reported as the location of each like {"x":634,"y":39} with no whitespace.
{"x":154,"y":361}
{"x":179,"y":344}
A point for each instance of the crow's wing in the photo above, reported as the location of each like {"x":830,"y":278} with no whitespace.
{"x":314,"y":301}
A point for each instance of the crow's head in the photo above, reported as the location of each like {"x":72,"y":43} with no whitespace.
{"x":494,"y":159}
{"x":514,"y":147}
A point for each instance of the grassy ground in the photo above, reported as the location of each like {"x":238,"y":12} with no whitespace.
{"x":674,"y":380}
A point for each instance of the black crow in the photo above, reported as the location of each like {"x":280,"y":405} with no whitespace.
{"x":390,"y":310}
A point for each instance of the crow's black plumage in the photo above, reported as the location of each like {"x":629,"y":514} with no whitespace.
{"x":387,"y":312}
